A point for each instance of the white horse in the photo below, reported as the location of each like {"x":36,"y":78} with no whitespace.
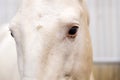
{"x":52,"y":41}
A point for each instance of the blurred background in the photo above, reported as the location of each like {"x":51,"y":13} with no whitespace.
{"x":104,"y":29}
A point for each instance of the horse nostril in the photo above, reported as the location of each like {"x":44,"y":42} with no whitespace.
{"x":72,"y":32}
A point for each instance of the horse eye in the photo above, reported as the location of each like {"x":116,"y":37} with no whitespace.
{"x":12,"y":34}
{"x":72,"y":31}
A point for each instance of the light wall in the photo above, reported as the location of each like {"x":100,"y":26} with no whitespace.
{"x":8,"y":9}
{"x":105,"y":29}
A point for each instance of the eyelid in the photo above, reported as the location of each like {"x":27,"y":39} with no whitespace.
{"x":74,"y":23}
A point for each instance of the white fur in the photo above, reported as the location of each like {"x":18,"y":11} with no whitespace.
{"x":44,"y":50}
{"x":8,"y":56}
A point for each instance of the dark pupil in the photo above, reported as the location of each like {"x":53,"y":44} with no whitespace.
{"x":73,"y":30}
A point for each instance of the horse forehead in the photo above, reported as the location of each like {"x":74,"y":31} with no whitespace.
{"x":49,"y":2}
{"x":49,"y":9}
{"x":35,"y":13}
{"x":47,"y":14}
{"x":44,"y":7}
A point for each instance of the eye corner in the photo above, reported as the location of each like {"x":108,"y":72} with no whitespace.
{"x":11,"y":32}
